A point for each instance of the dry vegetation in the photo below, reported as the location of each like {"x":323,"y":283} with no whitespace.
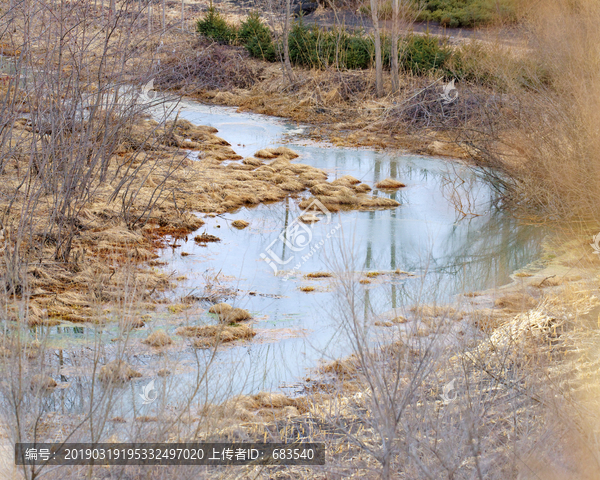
{"x":207,"y":336}
{"x":527,"y":109}
{"x":87,"y":199}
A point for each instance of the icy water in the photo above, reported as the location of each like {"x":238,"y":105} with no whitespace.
{"x":445,"y":252}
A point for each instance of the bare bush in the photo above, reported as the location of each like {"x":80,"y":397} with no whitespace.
{"x":213,"y":67}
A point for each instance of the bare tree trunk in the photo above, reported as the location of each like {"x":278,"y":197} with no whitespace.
{"x":182,"y":15}
{"x":286,"y":47}
{"x":394,"y":47}
{"x":378,"y":56}
{"x":150,"y":17}
{"x":164,"y":18}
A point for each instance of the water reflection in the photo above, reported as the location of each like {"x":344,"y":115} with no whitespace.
{"x":449,"y":253}
{"x":447,"y":232}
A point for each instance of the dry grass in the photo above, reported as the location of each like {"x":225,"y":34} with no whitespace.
{"x":346,"y":181}
{"x":252,"y":162}
{"x":208,"y":336}
{"x":253,"y":411}
{"x":347,"y":367}
{"x":234,"y":315}
{"x":548,"y":144}
{"x":239,"y":224}
{"x":488,"y":320}
{"x":206,"y":238}
{"x":220,"y":308}
{"x":319,"y":275}
{"x":116,"y":372}
{"x":389,"y":184}
{"x":159,"y":338}
{"x":145,"y":419}
{"x":279,"y":152}
{"x":516,"y":302}
{"x":343,"y":200}
{"x":211,"y":66}
{"x":307,"y":289}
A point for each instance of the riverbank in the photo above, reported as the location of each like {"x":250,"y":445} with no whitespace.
{"x":342,"y":106}
{"x":517,"y":361}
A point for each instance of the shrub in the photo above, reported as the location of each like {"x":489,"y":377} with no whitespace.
{"x":214,"y":26}
{"x":319,"y":48}
{"x":256,"y":38}
{"x":309,"y":46}
{"x":359,"y":53}
{"x":422,"y":54}
{"x":316,"y":47}
{"x":467,"y":13}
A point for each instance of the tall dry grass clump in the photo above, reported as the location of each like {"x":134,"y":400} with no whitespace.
{"x":554,"y":152}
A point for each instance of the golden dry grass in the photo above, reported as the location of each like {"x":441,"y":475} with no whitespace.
{"x":253,"y":162}
{"x":280,"y":152}
{"x":488,"y":320}
{"x":389,"y":184}
{"x":220,"y":308}
{"x":207,"y":336}
{"x":374,"y":274}
{"x":158,"y":338}
{"x":346,"y":181}
{"x":206,"y":238}
{"x":234,"y":315}
{"x":346,"y":367}
{"x":239,"y":224}
{"x":319,"y":275}
{"x":308,"y":218}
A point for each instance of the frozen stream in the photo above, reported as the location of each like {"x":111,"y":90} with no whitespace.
{"x":446,"y":252}
{"x":426,"y":236}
